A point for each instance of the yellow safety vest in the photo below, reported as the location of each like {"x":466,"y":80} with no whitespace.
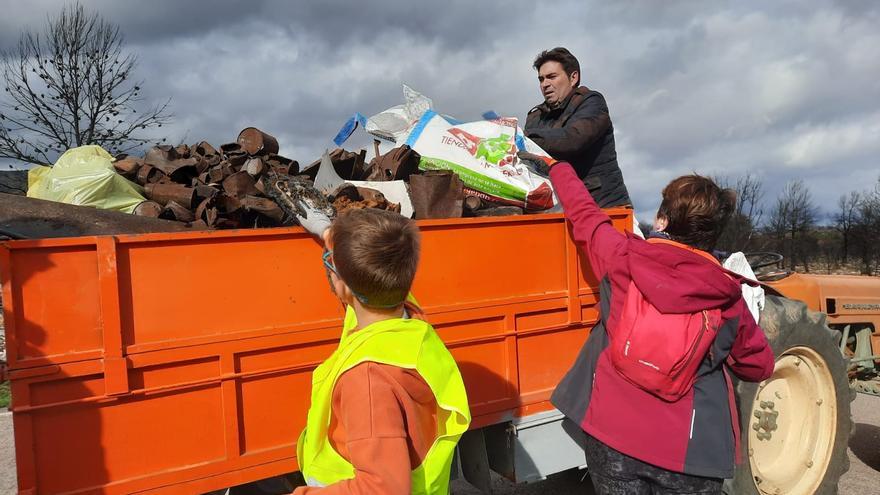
{"x":406,"y":343}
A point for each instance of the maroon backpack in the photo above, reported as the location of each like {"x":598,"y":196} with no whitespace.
{"x":661,"y":352}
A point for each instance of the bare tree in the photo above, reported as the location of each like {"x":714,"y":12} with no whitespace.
{"x":792,"y":221}
{"x":743,"y":224}
{"x":866,"y":230}
{"x":69,"y":86}
{"x":845,"y":218}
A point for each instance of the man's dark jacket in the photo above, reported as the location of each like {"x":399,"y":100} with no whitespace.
{"x":580,"y":132}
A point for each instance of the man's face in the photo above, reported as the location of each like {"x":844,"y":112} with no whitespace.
{"x":556,"y":85}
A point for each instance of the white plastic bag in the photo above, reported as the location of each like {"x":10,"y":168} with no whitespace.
{"x":753,"y":296}
{"x":483,"y":154}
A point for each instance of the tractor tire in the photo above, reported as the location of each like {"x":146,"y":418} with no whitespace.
{"x":796,"y":425}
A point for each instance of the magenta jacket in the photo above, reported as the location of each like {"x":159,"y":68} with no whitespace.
{"x":699,"y":433}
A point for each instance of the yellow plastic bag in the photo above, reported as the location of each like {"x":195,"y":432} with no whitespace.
{"x":36,"y":174}
{"x":85,"y":176}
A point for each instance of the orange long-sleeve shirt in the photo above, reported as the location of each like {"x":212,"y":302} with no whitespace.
{"x":383,"y":421}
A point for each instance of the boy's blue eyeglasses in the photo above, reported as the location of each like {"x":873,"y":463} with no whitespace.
{"x":328,"y":264}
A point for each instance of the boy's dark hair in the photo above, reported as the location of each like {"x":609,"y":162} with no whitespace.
{"x":559,"y":54}
{"x":376,"y":253}
{"x":696,"y":210}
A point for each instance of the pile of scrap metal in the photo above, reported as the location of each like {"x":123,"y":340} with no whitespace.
{"x":351,"y":183}
{"x":211,"y":187}
{"x":248,"y":184}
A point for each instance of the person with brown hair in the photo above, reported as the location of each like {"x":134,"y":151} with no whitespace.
{"x":573,"y":124}
{"x":659,"y":416}
{"x":389,"y":405}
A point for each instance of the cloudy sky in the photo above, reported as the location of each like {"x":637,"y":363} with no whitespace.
{"x":783,"y":89}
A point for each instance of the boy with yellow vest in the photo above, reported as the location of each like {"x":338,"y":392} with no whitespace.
{"x":388,"y":406}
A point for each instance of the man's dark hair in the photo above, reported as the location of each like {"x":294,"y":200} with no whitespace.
{"x":376,"y":253}
{"x":696,"y":210}
{"x":559,"y":54}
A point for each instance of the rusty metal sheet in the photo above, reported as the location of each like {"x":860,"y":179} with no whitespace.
{"x":345,"y":163}
{"x":216,"y":175}
{"x":204,"y":192}
{"x":239,"y":185}
{"x":175,"y":211}
{"x":127,"y":165}
{"x":236,"y":159}
{"x":437,"y":194}
{"x":162,"y":153}
{"x":171,"y":162}
{"x":182,"y":150}
{"x":230,"y":147}
{"x":263,"y":206}
{"x":204,"y":148}
{"x":226,"y":204}
{"x":203,"y":164}
{"x":148,"y":174}
{"x":207,"y":212}
{"x":397,"y":164}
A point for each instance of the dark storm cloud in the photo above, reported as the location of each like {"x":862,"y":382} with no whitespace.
{"x":785,"y":89}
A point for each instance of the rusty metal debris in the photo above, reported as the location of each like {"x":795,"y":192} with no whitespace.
{"x":472,"y":204}
{"x":348,"y":165}
{"x":255,"y":167}
{"x":128,"y":166}
{"x":257,"y":142}
{"x":216,"y":187}
{"x":289,"y":191}
{"x":37,"y":219}
{"x":347,"y":197}
{"x":397,"y":164}
{"x":437,"y":194}
{"x":176,"y":211}
{"x":239,"y":185}
{"x":499,"y":211}
{"x":246,"y":183}
{"x":165,"y":193}
{"x":263,"y":206}
{"x":147,"y":174}
{"x":148,"y":209}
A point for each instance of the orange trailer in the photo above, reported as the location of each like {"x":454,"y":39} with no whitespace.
{"x":181,"y":362}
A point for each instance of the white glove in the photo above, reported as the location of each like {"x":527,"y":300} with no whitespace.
{"x":314,"y":220}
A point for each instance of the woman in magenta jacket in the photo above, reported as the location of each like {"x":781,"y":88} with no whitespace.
{"x":637,"y":442}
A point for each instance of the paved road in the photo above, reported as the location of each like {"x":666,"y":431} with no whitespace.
{"x":863,"y":477}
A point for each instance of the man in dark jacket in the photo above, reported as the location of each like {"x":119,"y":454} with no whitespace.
{"x":636,"y":441}
{"x":573,"y":125}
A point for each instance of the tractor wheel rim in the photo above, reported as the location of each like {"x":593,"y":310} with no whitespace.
{"x":793,"y":424}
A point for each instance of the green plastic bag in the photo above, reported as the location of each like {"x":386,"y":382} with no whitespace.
{"x":85,"y":176}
